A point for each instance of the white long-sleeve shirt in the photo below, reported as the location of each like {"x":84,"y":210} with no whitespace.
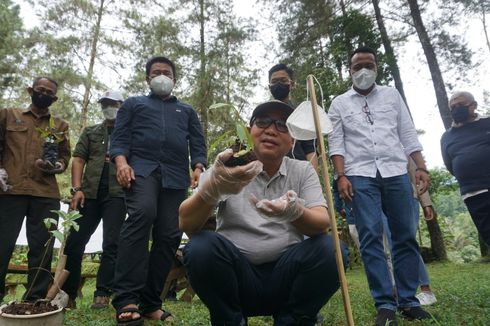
{"x":383,"y":145}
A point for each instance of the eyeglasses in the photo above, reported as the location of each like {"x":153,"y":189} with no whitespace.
{"x":264,"y":123}
{"x":369,"y":116}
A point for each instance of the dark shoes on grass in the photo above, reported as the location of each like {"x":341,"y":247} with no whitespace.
{"x":415,"y":313}
{"x":386,"y":317}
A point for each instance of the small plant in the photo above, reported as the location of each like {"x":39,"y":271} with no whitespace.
{"x":241,"y":144}
{"x":61,"y":233}
{"x":52,"y":138}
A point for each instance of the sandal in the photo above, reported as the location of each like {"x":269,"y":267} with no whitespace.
{"x":165,"y":316}
{"x":128,"y":322}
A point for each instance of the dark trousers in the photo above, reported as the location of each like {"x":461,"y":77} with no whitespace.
{"x":13,"y":209}
{"x":112,"y":211}
{"x":479,"y":208}
{"x":292,"y":289}
{"x":140,"y":275}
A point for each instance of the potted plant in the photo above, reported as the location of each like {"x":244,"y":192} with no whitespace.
{"x":52,"y":138}
{"x":47,"y":311}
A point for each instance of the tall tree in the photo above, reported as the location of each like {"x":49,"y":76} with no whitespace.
{"x":435,"y":71}
{"x":79,"y":28}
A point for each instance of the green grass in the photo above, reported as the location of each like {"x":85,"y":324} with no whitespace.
{"x":462,"y":290}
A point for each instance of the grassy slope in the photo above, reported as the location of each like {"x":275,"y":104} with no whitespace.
{"x":463,"y":293}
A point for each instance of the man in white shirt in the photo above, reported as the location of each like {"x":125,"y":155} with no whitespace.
{"x":372,"y":136}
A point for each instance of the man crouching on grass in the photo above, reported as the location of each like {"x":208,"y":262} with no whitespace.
{"x":256,"y":263}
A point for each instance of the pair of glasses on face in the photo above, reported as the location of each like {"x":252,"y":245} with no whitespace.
{"x":369,"y":116}
{"x":264,"y":123}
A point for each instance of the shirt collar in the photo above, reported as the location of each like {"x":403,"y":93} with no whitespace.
{"x":353,"y":92}
{"x":172,"y":98}
{"x":29,"y":110}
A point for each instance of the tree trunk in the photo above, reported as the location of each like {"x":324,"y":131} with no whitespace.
{"x":93,"y":54}
{"x":203,"y":114}
{"x":436,"y":240}
{"x":484,"y":22}
{"x":435,"y":71}
{"x":390,"y":54}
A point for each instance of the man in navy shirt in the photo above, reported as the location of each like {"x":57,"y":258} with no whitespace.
{"x":465,"y":149}
{"x":151,"y":143}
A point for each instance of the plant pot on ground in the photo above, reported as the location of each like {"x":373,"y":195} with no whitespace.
{"x":48,"y":311}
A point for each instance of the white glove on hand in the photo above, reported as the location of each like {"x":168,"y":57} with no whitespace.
{"x":3,"y":181}
{"x":223,"y":181}
{"x":287,"y":208}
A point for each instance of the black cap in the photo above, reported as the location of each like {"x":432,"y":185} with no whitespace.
{"x":265,"y":107}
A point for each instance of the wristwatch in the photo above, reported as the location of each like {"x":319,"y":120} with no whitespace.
{"x":74,"y":190}
{"x":337,"y":175}
{"x":200,"y":166}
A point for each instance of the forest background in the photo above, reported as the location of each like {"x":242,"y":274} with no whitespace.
{"x":223,"y":50}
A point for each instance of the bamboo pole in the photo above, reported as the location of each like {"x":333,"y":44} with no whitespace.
{"x":323,"y":163}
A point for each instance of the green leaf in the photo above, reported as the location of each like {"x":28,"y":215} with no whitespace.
{"x":241,"y":131}
{"x":219,"y":105}
{"x":76,"y":227}
{"x":58,"y":235}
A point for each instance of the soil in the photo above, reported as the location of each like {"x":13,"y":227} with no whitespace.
{"x":240,"y":155}
{"x":29,"y":308}
{"x":50,"y":152}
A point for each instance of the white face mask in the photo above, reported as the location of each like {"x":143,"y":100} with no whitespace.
{"x":110,"y":112}
{"x":364,"y":78}
{"x":162,"y":85}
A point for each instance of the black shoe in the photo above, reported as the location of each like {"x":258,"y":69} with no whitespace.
{"x":386,"y":317}
{"x":415,"y":313}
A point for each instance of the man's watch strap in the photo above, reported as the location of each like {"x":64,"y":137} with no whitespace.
{"x":74,"y":190}
{"x":337,"y":175}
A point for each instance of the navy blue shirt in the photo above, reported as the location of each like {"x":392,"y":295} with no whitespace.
{"x":466,"y":154}
{"x":155,"y":133}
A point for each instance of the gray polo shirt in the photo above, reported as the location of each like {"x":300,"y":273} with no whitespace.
{"x":259,"y":239}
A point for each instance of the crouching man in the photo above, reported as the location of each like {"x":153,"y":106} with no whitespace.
{"x":256,"y":263}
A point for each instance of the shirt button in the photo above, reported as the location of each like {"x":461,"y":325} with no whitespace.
{"x":376,"y":158}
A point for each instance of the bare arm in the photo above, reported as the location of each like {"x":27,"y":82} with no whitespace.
{"x":343,"y":184}
{"x":193,"y":214}
{"x":77,"y":166}
{"x":421,"y":174}
{"x":314,"y":221}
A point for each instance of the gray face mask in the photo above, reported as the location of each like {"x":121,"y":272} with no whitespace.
{"x":364,"y":78}
{"x":162,"y":85}
{"x":110,"y":112}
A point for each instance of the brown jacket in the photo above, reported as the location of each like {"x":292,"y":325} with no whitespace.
{"x":21,"y":145}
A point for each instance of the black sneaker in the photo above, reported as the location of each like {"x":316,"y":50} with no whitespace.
{"x":386,"y":317}
{"x":415,"y":313}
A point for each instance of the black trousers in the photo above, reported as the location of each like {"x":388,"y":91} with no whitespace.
{"x":112,"y":211}
{"x":479,"y":208}
{"x":140,"y":274}
{"x":13,"y":209}
{"x":292,"y":289}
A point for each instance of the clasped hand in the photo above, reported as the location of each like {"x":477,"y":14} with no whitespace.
{"x":48,"y":167}
{"x":3,"y":180}
{"x":223,"y":180}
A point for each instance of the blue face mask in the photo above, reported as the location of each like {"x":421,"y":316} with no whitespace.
{"x":460,"y":114}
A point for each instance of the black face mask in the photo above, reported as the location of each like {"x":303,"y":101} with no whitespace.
{"x":40,"y":100}
{"x":460,"y":114}
{"x":279,"y":91}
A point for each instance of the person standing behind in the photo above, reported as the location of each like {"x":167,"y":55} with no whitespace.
{"x":372,"y":136}
{"x":99,"y":197}
{"x":465,"y":150}
{"x":151,"y":143}
{"x":281,"y":82}
{"x":28,"y":186}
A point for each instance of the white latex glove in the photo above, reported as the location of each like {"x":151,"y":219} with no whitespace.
{"x":287,"y":208}
{"x":223,"y":181}
{"x":3,"y":180}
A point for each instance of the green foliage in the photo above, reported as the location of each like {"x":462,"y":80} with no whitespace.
{"x":69,"y":222}
{"x":50,"y":134}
